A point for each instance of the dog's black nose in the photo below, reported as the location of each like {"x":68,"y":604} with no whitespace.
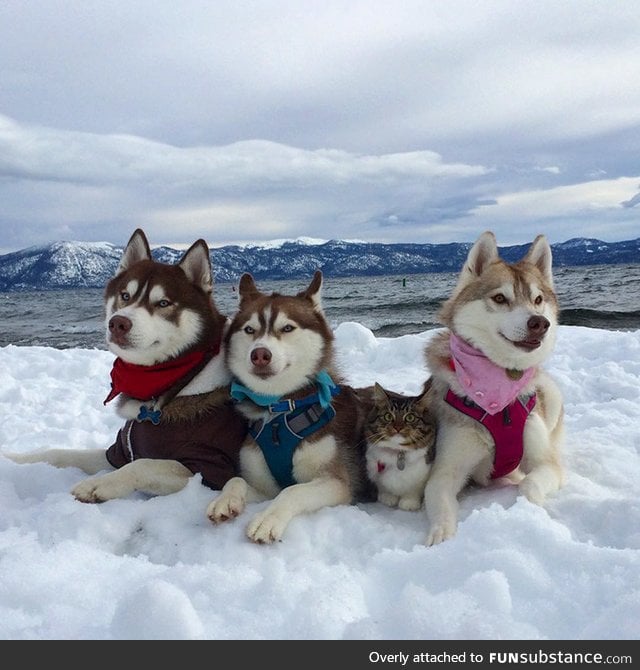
{"x":119,"y":325}
{"x":538,"y":325}
{"x":261,"y":357}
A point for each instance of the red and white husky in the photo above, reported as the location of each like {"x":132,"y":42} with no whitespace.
{"x":499,"y":414}
{"x":305,"y":445}
{"x":170,"y":380}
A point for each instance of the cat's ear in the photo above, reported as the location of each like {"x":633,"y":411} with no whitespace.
{"x":379,"y":394}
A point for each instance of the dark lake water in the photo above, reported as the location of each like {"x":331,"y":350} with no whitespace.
{"x":603,"y":296}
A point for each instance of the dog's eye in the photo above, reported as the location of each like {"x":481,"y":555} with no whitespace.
{"x":125,"y":296}
{"x":163,"y":303}
{"x":499,"y":299}
{"x":288,"y":328}
{"x":249,"y":330}
{"x":538,"y":300}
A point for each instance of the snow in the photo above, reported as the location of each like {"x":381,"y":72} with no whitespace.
{"x":156,"y":568}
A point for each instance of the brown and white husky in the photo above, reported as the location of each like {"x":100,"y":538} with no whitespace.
{"x":170,"y":380}
{"x":499,"y":413}
{"x":305,"y":448}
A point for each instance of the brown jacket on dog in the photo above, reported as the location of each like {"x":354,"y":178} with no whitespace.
{"x":203,"y":433}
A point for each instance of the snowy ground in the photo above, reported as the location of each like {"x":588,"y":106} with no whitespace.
{"x":157,"y":568}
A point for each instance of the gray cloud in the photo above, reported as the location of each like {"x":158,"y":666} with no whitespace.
{"x":632,"y":202}
{"x":422,"y":121}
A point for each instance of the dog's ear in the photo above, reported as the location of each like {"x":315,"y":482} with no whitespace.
{"x":313,"y":291}
{"x":539,"y":254}
{"x":196,"y":263}
{"x":247,"y":288}
{"x":482,"y":254}
{"x":137,"y":249}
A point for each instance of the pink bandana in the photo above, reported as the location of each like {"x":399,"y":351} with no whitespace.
{"x":488,"y":385}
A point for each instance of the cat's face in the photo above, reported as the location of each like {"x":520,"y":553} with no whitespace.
{"x":397,"y":420}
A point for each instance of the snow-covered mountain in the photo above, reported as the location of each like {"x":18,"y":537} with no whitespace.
{"x":90,"y":265}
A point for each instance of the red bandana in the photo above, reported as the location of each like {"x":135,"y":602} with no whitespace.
{"x":144,"y":382}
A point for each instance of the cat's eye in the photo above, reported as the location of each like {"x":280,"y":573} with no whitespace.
{"x":410,"y":417}
{"x":388,"y":417}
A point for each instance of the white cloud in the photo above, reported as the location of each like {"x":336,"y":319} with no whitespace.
{"x":562,"y":200}
{"x":590,"y":209}
{"x":264,"y":188}
{"x":33,"y":153}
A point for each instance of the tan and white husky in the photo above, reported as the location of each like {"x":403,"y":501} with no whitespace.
{"x":170,"y":380}
{"x":305,"y":448}
{"x":499,"y":413}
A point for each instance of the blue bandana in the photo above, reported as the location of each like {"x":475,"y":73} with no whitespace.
{"x":326,"y":389}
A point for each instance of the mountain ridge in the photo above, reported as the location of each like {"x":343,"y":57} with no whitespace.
{"x":68,"y":264}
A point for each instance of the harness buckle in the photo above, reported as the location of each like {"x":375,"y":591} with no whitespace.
{"x":286,"y":405}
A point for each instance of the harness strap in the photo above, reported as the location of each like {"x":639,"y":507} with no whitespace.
{"x":278,"y":437}
{"x":506,"y":429}
{"x":289,"y":405}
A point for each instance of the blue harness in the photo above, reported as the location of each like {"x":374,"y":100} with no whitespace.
{"x":292,"y":421}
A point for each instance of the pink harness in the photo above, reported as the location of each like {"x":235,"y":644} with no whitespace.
{"x":492,"y":400}
{"x":506,"y":428}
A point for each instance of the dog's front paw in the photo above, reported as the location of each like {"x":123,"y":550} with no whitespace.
{"x":531,"y":490}
{"x":230,"y":503}
{"x":267,"y":527}
{"x":100,"y":489}
{"x":440,"y":532}
{"x":225,"y":507}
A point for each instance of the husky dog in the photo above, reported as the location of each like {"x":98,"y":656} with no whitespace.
{"x":305,"y":449}
{"x":170,"y":378}
{"x":499,"y":414}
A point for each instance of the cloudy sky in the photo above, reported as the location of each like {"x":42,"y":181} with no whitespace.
{"x":255,"y":120}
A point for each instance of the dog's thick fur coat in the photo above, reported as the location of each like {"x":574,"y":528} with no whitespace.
{"x":158,"y":315}
{"x":276,"y":346}
{"x":506,"y":312}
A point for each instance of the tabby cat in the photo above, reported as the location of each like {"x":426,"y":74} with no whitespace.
{"x":400,"y":434}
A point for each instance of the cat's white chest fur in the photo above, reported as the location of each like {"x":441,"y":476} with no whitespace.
{"x":399,"y":474}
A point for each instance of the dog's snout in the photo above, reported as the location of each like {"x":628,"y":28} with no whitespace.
{"x":119,"y":325}
{"x":538,"y":325}
{"x":261,"y":357}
